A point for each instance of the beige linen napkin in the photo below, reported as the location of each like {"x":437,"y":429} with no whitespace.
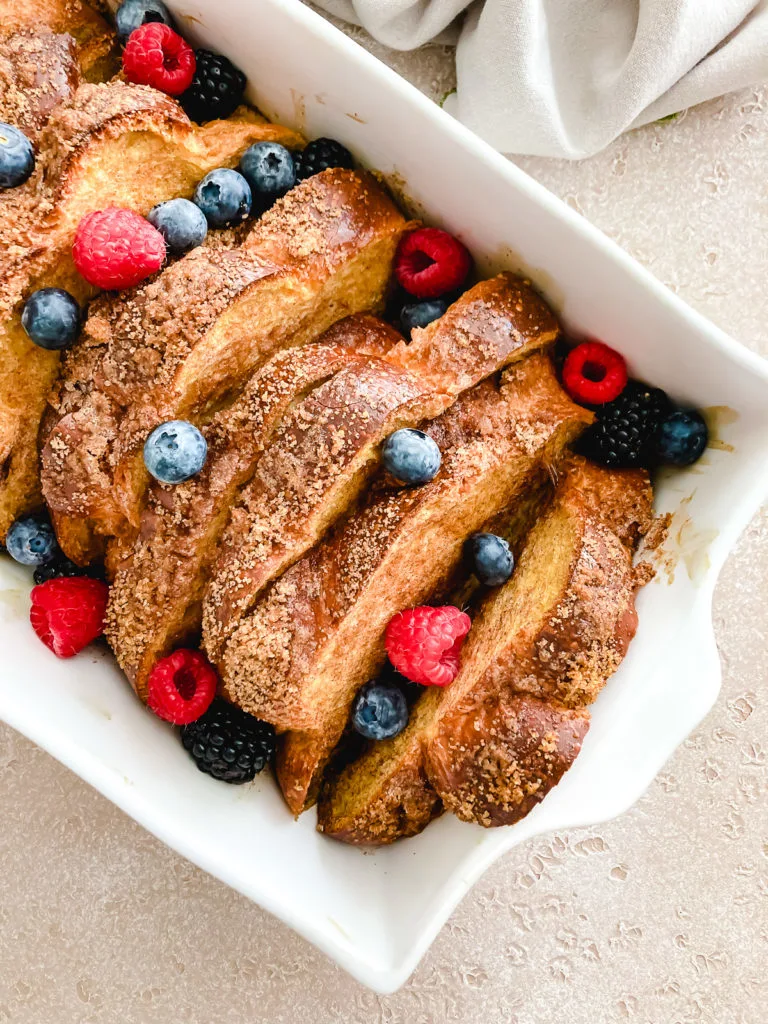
{"x":565,"y":77}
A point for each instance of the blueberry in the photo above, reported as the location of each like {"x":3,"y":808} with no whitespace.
{"x":380,"y":711}
{"x":51,"y":317}
{"x":224,"y":196}
{"x":31,"y":541}
{"x":491,"y":557}
{"x":132,"y":14}
{"x":411,"y":456}
{"x":682,"y":437}
{"x":269,"y":169}
{"x":181,"y":223}
{"x":419,"y":314}
{"x":175,"y":451}
{"x":17,"y":158}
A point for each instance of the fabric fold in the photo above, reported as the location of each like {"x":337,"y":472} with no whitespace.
{"x":563,"y":78}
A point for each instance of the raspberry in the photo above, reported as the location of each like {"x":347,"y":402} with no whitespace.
{"x":156,"y":55}
{"x":594,"y":374}
{"x":430,"y":262}
{"x":182,"y":687}
{"x":68,"y":613}
{"x":116,"y":248}
{"x":423,"y":643}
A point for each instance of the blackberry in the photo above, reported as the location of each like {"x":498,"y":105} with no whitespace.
{"x":321,"y":154}
{"x":59,"y":566}
{"x":228,"y":743}
{"x":623,"y":435}
{"x":216,"y":90}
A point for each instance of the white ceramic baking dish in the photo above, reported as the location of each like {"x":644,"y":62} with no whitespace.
{"x":376,"y":913}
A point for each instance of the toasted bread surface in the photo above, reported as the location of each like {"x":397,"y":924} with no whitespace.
{"x":156,"y":594}
{"x":493,"y":324}
{"x":113,"y":144}
{"x":494,"y":762}
{"x":395,"y":552}
{"x":180,"y":344}
{"x":317,"y":634}
{"x":325,"y":454}
{"x":39,"y":70}
{"x":572,"y":605}
{"x":392,"y":799}
{"x":94,"y":38}
{"x":540,"y":648}
{"x":621,"y":498}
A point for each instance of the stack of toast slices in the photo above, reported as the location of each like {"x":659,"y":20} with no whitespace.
{"x":287,"y":556}
{"x":97,"y":145}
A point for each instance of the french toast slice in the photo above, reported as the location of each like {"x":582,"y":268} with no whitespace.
{"x":383,"y":796}
{"x":516,"y":749}
{"x":181,"y":344}
{"x":494,"y":742}
{"x":114,"y":144}
{"x":156,"y":595}
{"x":317,"y":634}
{"x":326,"y":452}
{"x":94,"y":38}
{"x":39,"y":69}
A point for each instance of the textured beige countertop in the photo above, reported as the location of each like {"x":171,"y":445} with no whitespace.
{"x":658,"y":917}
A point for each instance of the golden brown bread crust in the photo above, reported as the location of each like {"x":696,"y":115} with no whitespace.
{"x":494,"y":762}
{"x":493,"y":324}
{"x":41,"y":222}
{"x":324,"y":455}
{"x":394,"y":552}
{"x":128,"y":344}
{"x":155,"y":598}
{"x":38,"y":71}
{"x":550,"y":636}
{"x":568,"y":651}
{"x":392,"y":799}
{"x":317,"y":634}
{"x":321,"y":459}
{"x":182,"y":342}
{"x":620,"y":498}
{"x":113,"y":144}
{"x":95,"y":40}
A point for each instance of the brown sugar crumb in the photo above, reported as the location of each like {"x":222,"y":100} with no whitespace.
{"x":300,"y":224}
{"x":644,"y":573}
{"x":181,"y":525}
{"x":31,"y":211}
{"x":163,"y":350}
{"x":38,"y":70}
{"x":493,"y":761}
{"x":658,"y":532}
